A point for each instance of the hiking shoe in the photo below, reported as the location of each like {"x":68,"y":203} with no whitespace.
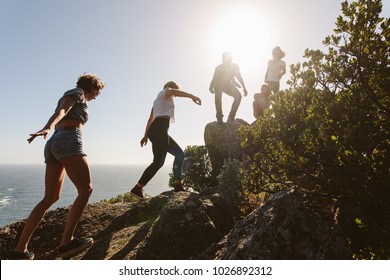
{"x":21,"y":256}
{"x":137,"y":192}
{"x":178,"y":187}
{"x":74,"y":247}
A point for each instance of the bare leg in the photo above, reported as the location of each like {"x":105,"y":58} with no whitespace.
{"x":78,"y":171}
{"x":54,"y":180}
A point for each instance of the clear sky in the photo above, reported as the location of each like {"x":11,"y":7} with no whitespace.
{"x":135,"y":46}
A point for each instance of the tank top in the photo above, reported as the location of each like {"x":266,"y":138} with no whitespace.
{"x":163,"y":106}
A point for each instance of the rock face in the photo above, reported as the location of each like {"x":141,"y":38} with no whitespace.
{"x":291,"y":225}
{"x":181,"y":230}
{"x":222,"y":142}
{"x":169,"y":226}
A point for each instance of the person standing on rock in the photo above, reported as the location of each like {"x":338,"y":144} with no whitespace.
{"x":64,"y":153}
{"x":161,"y":115}
{"x":224,"y":80}
{"x":276,"y":69}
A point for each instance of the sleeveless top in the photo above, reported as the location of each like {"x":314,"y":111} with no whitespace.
{"x":164,"y":106}
{"x":274,"y":69}
{"x":79,"y":111}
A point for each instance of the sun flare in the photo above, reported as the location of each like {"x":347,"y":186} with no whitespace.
{"x":246,"y":34}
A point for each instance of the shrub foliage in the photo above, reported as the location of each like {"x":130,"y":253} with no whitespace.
{"x":329,"y":132}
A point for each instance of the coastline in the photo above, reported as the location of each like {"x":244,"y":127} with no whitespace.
{"x":22,"y":186}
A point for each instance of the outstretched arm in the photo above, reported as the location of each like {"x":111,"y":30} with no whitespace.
{"x":144,"y":139}
{"x":65,"y":106}
{"x":180,"y":93}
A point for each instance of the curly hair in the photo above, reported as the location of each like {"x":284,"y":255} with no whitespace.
{"x":278,"y":53}
{"x":89,"y":82}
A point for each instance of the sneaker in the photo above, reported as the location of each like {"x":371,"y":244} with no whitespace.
{"x":75,"y":246}
{"x":178,"y":187}
{"x":21,"y":255}
{"x":137,"y":192}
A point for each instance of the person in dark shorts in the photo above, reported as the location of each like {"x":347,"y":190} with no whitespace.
{"x":64,"y":154}
{"x":161,"y":115}
{"x":224,"y":80}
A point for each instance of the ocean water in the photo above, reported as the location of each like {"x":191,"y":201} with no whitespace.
{"x":22,"y":187}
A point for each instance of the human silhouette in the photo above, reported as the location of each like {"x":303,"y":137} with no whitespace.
{"x":276,"y":69}
{"x":64,"y":153}
{"x":261,"y":101}
{"x":224,"y":80}
{"x":161,"y":115}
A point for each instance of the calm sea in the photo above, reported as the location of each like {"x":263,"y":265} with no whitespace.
{"x":22,"y":187}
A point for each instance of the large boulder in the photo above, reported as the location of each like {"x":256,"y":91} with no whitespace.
{"x":222,"y":142}
{"x":183,"y":229}
{"x":291,"y":225}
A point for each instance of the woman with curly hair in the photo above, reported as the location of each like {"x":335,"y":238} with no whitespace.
{"x":276,"y":69}
{"x":64,"y":153}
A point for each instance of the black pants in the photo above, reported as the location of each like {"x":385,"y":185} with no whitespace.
{"x":162,"y":144}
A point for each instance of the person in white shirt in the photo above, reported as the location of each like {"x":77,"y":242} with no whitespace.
{"x":161,"y":115}
{"x":276,"y":69}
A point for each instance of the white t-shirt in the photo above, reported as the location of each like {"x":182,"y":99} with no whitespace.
{"x":164,"y":106}
{"x":274,"y":69}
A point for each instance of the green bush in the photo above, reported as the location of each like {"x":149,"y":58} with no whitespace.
{"x":329,"y":132}
{"x":243,"y":186}
{"x":197,"y":169}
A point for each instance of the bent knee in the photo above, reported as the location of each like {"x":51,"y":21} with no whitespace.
{"x":90,"y":190}
{"x":49,"y":201}
{"x":158,"y":164}
{"x":87,"y":191}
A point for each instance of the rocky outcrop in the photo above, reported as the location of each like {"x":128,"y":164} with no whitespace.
{"x":185,"y":225}
{"x":222,"y":142}
{"x":169,"y":226}
{"x":291,"y":225}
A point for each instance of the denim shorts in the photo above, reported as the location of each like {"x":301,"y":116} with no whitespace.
{"x":64,"y":143}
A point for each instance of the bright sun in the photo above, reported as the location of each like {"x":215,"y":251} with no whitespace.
{"x":246,"y":34}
